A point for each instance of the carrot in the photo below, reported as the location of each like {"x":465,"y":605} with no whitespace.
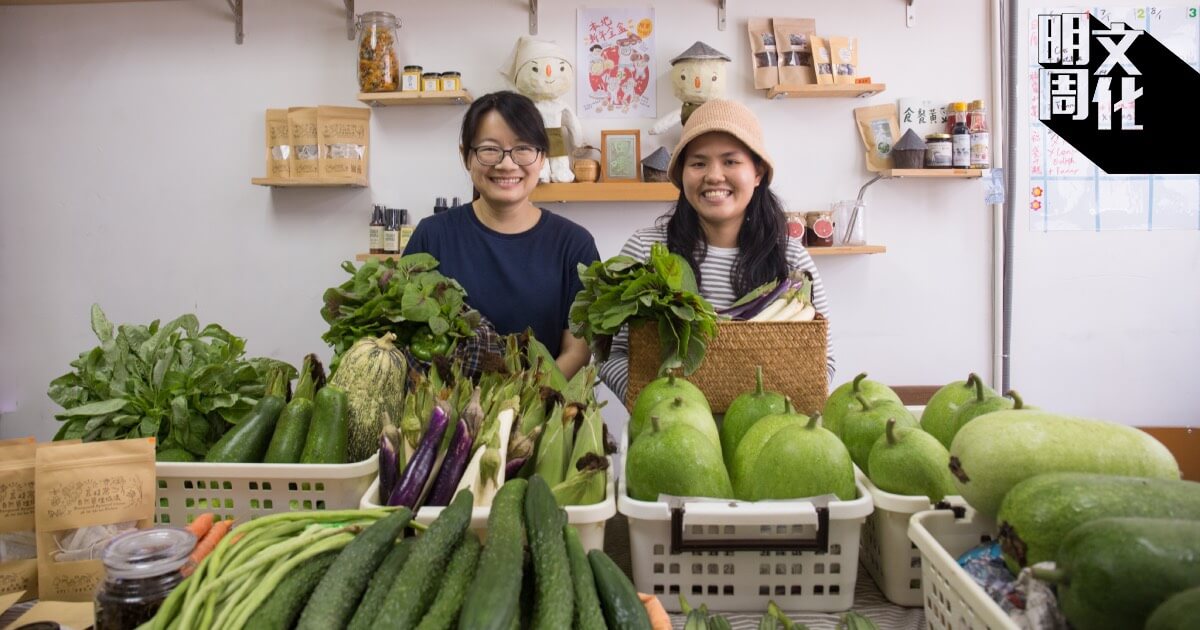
{"x":659,"y":619}
{"x":201,"y":525}
{"x":206,"y":545}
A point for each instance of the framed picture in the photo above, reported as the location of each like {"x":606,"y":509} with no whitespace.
{"x":621,"y":155}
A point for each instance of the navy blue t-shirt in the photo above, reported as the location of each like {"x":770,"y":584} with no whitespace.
{"x":517,"y":281}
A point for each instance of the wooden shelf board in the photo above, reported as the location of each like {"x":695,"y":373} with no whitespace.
{"x":364,"y":257}
{"x":606,"y":191}
{"x":847,"y":250}
{"x":857,"y":90}
{"x":309,"y":183}
{"x":387,"y":99}
{"x":935,"y":173}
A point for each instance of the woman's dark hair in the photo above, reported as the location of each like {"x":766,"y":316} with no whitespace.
{"x":762,"y":241}
{"x":517,"y":110}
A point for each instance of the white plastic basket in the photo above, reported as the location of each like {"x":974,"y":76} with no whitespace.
{"x":952,"y":599}
{"x":738,"y":555}
{"x":247,"y":491}
{"x":890,"y":558}
{"x":589,"y":520}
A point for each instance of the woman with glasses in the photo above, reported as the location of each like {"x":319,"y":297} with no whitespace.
{"x":517,"y":262}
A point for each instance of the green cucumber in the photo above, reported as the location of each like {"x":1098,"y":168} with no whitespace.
{"x":284,"y":604}
{"x":555,"y":603}
{"x":494,"y":597}
{"x":290,"y":433}
{"x":333,"y":603}
{"x":588,"y":615}
{"x":622,"y":608}
{"x":1113,"y":572}
{"x":444,"y":611}
{"x":381,"y":584}
{"x":329,"y":433}
{"x":174,"y":455}
{"x":1040,"y":511}
{"x":414,"y":589}
{"x":1179,"y":612}
{"x":247,"y":442}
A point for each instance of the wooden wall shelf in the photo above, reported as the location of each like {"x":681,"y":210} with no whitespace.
{"x":388,"y":99}
{"x":847,"y":250}
{"x":309,"y":183}
{"x":935,"y":173}
{"x":365,"y":257}
{"x":845,"y":90}
{"x":606,"y":191}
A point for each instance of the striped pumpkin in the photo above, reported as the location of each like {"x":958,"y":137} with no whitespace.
{"x":372,"y":372}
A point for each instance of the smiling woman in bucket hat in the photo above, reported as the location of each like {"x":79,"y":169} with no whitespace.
{"x":727,"y":223}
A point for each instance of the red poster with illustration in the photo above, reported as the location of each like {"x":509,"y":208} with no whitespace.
{"x":616,"y":62}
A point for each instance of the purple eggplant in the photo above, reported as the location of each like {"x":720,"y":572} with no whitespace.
{"x":408,"y":489}
{"x":746,"y":311}
{"x":453,"y":466}
{"x":513,"y":467}
{"x":389,"y":464}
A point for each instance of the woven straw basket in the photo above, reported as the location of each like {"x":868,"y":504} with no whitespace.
{"x":792,"y":355}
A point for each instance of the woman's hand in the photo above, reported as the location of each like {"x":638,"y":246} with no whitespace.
{"x":573,"y":355}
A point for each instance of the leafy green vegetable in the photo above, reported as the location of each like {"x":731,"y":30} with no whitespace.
{"x":401,"y":296}
{"x":622,"y":290}
{"x":177,"y":382}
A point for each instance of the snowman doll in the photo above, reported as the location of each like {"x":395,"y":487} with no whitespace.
{"x":698,"y":76}
{"x":540,"y":70}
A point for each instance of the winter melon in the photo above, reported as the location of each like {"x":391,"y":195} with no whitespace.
{"x":373,"y":373}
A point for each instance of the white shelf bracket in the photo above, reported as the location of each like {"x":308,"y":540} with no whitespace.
{"x":720,"y":15}
{"x":350,"y":20}
{"x":910,"y":14}
{"x":238,"y":33}
{"x":533,"y":16}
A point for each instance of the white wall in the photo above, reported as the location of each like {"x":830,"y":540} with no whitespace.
{"x":133,"y":130}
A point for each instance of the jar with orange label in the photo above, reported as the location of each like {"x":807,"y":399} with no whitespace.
{"x":820,"y":228}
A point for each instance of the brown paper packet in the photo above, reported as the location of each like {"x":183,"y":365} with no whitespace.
{"x":822,"y":63}
{"x":793,"y":38}
{"x":344,"y":138}
{"x":763,"y":52}
{"x":65,"y":614}
{"x":304,"y":160}
{"x":844,"y":51}
{"x":879,"y":128}
{"x":18,"y":563}
{"x":85,"y":494}
{"x":279,"y":146}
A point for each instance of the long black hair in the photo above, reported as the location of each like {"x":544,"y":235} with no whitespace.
{"x":518,"y":112}
{"x":762,"y":239}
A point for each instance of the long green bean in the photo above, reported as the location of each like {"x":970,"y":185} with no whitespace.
{"x":267,"y":585}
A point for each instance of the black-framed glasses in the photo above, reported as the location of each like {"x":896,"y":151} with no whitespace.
{"x":522,"y":155}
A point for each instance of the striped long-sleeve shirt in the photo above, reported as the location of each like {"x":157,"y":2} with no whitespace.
{"x":715,"y":286}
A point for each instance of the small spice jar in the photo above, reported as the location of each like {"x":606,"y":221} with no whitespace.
{"x":820,"y":228}
{"x":450,"y":81}
{"x":430,"y":82}
{"x":141,"y":567}
{"x":939,"y":151}
{"x":410,"y":79}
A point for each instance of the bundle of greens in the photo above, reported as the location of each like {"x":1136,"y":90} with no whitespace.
{"x":176,"y":382}
{"x":622,"y":290}
{"x":407,"y":297}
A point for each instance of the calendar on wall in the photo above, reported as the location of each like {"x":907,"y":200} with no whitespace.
{"x":1066,"y":190}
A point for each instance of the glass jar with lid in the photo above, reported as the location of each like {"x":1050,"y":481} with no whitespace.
{"x":939,"y":151}
{"x":141,"y":567}
{"x":378,"y":59}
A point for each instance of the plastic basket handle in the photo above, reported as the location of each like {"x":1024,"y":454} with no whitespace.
{"x":719,"y":513}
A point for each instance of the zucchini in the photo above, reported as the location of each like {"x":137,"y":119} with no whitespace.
{"x":622,"y":608}
{"x":414,"y":589}
{"x":247,"y":442}
{"x":1179,"y":612}
{"x":444,"y":611}
{"x":554,"y":606}
{"x":328,"y":432}
{"x":284,"y":604}
{"x":588,"y":615}
{"x":290,"y":433}
{"x":381,"y":584}
{"x":335,"y":599}
{"x":493,"y":598}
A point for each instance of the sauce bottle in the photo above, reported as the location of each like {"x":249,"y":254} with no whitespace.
{"x":439,"y":205}
{"x":391,"y":233}
{"x":406,"y":230}
{"x":981,"y":153}
{"x":960,"y":138}
{"x":376,"y":230}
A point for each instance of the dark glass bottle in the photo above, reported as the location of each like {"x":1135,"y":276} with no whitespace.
{"x":960,"y":138}
{"x":439,"y":205}
{"x":376,"y":228}
{"x":406,"y":229}
{"x":391,"y":232}
{"x":141,"y":567}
